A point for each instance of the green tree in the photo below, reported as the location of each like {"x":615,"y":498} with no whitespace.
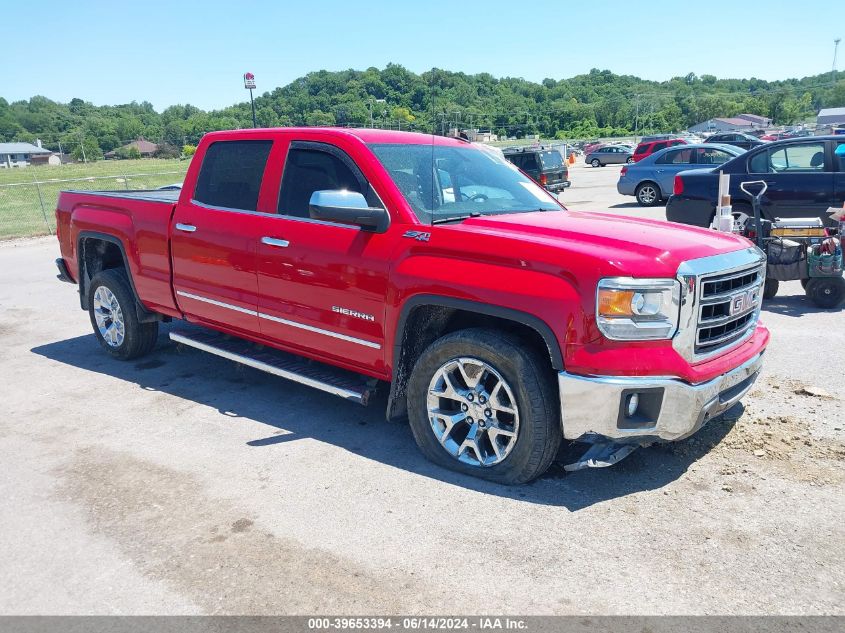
{"x":86,"y":149}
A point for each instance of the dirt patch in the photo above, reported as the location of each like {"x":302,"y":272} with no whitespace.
{"x":209,"y":552}
{"x":780,"y":437}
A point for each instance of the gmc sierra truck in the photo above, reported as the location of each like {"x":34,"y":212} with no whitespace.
{"x":503,"y":324}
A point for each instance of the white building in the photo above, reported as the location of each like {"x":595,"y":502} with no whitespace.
{"x":19,"y":154}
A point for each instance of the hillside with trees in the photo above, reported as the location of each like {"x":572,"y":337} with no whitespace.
{"x":599,"y":103}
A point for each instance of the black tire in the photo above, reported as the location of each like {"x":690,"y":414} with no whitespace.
{"x":596,"y":163}
{"x":826,"y":292}
{"x":530,"y":379}
{"x":804,"y":283}
{"x":630,"y":160}
{"x":770,"y":289}
{"x":138,"y":338}
{"x":642,"y":192}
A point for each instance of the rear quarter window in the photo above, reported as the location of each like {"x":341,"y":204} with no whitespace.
{"x":759,"y":163}
{"x":231,"y":174}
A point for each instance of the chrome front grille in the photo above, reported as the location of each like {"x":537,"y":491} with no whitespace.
{"x":728,"y":308}
{"x":713,"y":319}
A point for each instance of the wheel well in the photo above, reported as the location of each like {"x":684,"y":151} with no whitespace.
{"x":101,"y":253}
{"x":649,"y":182}
{"x":425,"y":324}
{"x":96,"y":254}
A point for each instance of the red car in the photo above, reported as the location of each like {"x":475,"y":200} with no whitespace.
{"x":650,"y":147}
{"x":496,"y":321}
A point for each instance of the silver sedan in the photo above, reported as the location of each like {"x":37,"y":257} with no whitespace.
{"x":610,"y":155}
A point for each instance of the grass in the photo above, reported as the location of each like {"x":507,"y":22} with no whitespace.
{"x":21,"y":212}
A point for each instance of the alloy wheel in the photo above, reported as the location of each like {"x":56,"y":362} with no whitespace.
{"x":472,"y":412}
{"x":647,"y":194}
{"x":109,"y":317}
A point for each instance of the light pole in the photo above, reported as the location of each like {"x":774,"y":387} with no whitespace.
{"x":835,"y":50}
{"x":370,"y":105}
{"x":249,"y":84}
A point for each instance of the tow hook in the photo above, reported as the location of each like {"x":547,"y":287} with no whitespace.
{"x":602,"y":454}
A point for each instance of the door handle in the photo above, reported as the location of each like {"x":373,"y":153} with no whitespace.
{"x":273,"y":241}
{"x":188,"y":228}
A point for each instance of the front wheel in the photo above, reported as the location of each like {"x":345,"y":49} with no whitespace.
{"x":595,"y":162}
{"x":630,"y":160}
{"x":482,"y":403}
{"x":111,"y":308}
{"x":826,"y":292}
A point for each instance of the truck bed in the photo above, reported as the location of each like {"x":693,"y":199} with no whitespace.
{"x":136,"y":222}
{"x":169,"y":196}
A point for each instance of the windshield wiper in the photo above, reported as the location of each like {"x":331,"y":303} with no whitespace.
{"x":457,"y":218}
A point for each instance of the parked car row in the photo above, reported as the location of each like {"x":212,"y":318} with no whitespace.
{"x":804,"y":176}
{"x":651,"y":179}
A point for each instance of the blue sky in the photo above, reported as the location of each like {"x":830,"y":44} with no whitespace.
{"x":196,"y":52}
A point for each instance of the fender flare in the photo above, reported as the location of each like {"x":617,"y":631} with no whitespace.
{"x":144,"y":315}
{"x":487,"y":309}
{"x":396,"y":398}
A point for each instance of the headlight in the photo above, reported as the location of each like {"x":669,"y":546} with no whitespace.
{"x":629,"y":309}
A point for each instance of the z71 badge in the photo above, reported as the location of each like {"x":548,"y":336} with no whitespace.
{"x":420,"y":236}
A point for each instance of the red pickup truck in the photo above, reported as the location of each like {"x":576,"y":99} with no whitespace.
{"x":357,"y":259}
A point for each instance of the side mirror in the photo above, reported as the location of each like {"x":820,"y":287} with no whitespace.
{"x":348,"y":207}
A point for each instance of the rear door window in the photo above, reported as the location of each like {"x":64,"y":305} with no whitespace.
{"x":231,"y":174}
{"x":759,"y":163}
{"x":659,"y":146}
{"x":799,"y":157}
{"x":710,"y":156}
{"x":676,"y":157}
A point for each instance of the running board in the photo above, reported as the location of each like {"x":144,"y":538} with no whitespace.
{"x":346,"y":384}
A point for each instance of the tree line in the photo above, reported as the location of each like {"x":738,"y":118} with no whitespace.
{"x":599,"y":103}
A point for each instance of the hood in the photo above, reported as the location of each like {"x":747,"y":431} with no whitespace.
{"x":627,"y":246}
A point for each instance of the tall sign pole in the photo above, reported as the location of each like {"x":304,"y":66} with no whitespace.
{"x":249,"y":84}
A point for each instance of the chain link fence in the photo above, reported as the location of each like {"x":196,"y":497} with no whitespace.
{"x":28,"y":205}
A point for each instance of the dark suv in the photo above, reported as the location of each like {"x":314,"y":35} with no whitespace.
{"x":544,"y":165}
{"x":737,"y":139}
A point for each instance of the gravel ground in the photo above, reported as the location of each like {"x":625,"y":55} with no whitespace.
{"x":183,"y":483}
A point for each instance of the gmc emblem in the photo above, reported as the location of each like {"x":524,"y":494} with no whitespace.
{"x":743,"y":301}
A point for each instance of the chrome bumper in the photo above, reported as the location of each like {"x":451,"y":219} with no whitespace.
{"x":672,"y":408}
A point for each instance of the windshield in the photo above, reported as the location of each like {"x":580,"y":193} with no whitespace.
{"x":444,"y":182}
{"x":551,"y":159}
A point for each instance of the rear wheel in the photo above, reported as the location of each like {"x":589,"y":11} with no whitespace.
{"x":770,"y":289}
{"x":630,"y":160}
{"x":111,"y":308}
{"x":648,"y":194}
{"x":826,"y":292}
{"x":482,"y":403}
{"x":595,"y":162}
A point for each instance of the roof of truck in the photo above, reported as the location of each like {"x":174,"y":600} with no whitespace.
{"x":367,"y":135}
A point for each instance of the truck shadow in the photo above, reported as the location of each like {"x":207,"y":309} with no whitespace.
{"x":795,"y":305}
{"x":281,"y":411}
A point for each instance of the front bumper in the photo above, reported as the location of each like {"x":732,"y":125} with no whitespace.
{"x":670,"y":409}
